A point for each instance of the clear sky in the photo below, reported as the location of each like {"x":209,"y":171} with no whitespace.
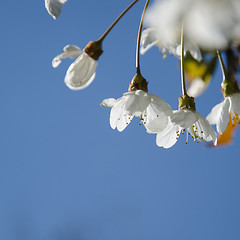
{"x":65,"y":174}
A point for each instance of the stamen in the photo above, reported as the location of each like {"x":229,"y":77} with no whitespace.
{"x":187,"y":137}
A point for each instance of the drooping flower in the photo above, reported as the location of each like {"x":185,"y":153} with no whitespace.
{"x":151,"y":110}
{"x":219,"y":115}
{"x":54,"y":7}
{"x":151,"y":38}
{"x":186,"y":120}
{"x":81,"y":72}
{"x":211,"y":24}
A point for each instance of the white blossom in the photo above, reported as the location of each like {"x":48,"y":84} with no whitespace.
{"x":219,"y":115}
{"x":151,"y":38}
{"x":81,"y":72}
{"x":211,"y":24}
{"x":54,"y":7}
{"x":151,"y":110}
{"x":185,"y":120}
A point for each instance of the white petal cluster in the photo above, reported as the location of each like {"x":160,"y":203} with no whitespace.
{"x":151,"y":109}
{"x":158,"y":118}
{"x":185,"y":120}
{"x":219,"y":115}
{"x":54,"y":7}
{"x":211,"y":24}
{"x":81,"y":72}
{"x":150,"y":38}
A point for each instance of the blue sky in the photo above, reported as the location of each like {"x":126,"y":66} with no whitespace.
{"x":65,"y":174}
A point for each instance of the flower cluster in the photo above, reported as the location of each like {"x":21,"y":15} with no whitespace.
{"x":158,"y":117}
{"x":193,"y":31}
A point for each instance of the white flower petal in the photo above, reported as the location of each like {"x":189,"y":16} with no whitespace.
{"x":160,"y":104}
{"x":205,"y":130}
{"x":81,"y":73}
{"x":220,"y":115}
{"x":136,"y":102}
{"x":214,"y":115}
{"x":124,"y":121}
{"x":197,"y":87}
{"x":169,"y":136}
{"x":194,"y":50}
{"x":71,"y":48}
{"x":118,"y":117}
{"x":148,"y":39}
{"x":70,"y":51}
{"x":157,"y":114}
{"x":54,"y":7}
{"x":184,"y":118}
{"x":108,"y":103}
{"x":235,"y":103}
{"x":157,"y":124}
{"x":223,"y":116}
{"x":116,"y":112}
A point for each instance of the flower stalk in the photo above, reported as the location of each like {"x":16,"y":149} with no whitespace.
{"x":229,"y":87}
{"x":223,"y":68}
{"x":184,"y":90}
{"x":116,"y":21}
{"x":139,"y":38}
{"x":185,"y":101}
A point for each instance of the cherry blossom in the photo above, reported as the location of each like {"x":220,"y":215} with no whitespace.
{"x":81,"y":72}
{"x":219,"y":115}
{"x":186,"y":120}
{"x":151,"y":110}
